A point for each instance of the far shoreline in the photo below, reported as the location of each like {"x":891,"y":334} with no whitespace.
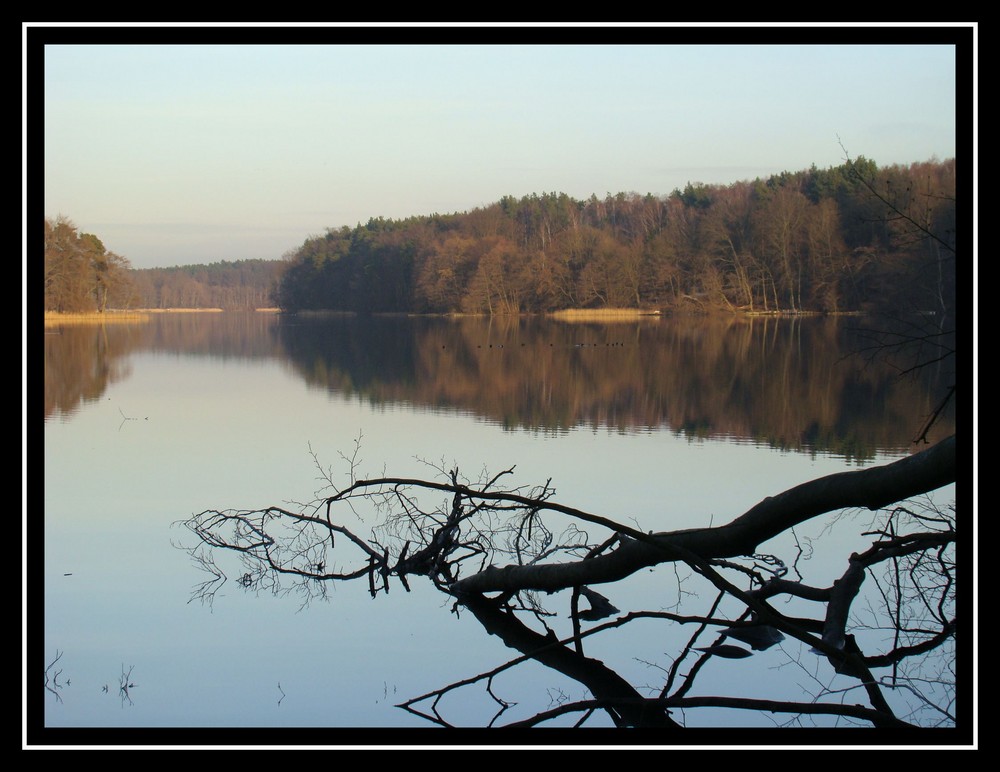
{"x":563,"y":315}
{"x":132,"y":315}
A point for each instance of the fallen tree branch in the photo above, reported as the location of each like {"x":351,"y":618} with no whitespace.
{"x":870,"y":488}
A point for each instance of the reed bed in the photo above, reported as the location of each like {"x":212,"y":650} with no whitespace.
{"x":601,"y":314}
{"x":109,"y":317}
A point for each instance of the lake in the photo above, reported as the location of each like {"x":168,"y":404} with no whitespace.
{"x":659,"y":423}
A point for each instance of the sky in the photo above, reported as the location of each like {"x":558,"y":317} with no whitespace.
{"x":178,"y":152}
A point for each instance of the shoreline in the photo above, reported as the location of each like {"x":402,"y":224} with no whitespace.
{"x":563,"y":315}
{"x":133,"y":315}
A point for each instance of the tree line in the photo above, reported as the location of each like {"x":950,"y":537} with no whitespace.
{"x":816,"y":240}
{"x":856,"y":237}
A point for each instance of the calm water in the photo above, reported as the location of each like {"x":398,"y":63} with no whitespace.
{"x":660,"y":424}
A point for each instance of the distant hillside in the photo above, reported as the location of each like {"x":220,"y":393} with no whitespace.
{"x":242,"y":284}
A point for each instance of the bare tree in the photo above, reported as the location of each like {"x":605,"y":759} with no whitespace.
{"x":498,"y":553}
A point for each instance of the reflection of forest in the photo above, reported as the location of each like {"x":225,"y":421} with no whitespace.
{"x":82,"y":360}
{"x":783,"y":382}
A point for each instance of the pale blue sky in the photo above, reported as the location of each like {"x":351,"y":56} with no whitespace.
{"x":176,"y":154}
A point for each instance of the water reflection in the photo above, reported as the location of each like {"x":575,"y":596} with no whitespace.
{"x":237,"y":403}
{"x":786,"y":383}
{"x":81,"y":361}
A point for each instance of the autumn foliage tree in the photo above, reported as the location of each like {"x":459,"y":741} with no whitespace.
{"x":80,"y":274}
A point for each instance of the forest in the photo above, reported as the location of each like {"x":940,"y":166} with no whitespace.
{"x":851,"y":238}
